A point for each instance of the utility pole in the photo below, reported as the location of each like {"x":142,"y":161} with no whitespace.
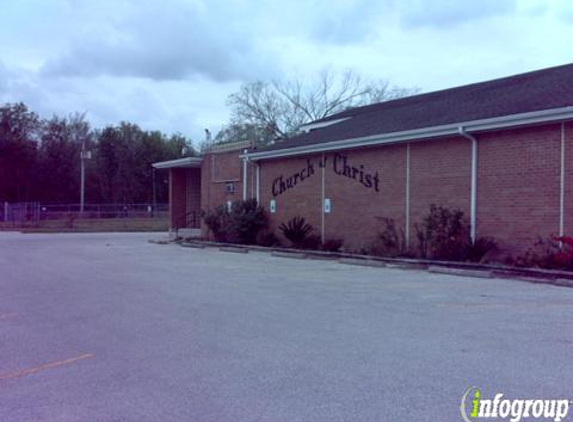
{"x":153,"y":182}
{"x":84,"y":155}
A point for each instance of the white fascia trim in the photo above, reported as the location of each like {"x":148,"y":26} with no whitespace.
{"x":522,"y":119}
{"x":187,"y":162}
{"x":311,"y":126}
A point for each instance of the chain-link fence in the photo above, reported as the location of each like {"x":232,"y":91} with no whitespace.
{"x":36,"y":214}
{"x":21,"y":212}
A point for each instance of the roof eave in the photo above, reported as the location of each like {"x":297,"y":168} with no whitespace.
{"x":321,"y":124}
{"x":187,"y":162}
{"x":503,"y":122}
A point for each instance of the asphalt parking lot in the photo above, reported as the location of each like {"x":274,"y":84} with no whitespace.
{"x":109,"y":327}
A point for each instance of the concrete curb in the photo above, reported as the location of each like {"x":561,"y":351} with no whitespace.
{"x":407,"y":266}
{"x":293,"y":255}
{"x":530,"y":275}
{"x":233,"y":249}
{"x":160,"y":242}
{"x":362,"y":262}
{"x":534,"y":280}
{"x":563,"y":282}
{"x":459,"y":271}
{"x":321,"y":257}
{"x":192,"y":245}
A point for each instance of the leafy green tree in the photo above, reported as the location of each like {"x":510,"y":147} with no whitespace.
{"x":59,"y":157}
{"x":40,"y":159}
{"x":18,"y":153}
{"x":124,"y":155}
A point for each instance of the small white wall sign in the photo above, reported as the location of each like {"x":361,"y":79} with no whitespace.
{"x":327,"y":205}
{"x":273,"y":206}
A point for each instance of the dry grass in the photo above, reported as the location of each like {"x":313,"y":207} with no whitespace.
{"x":92,"y":225}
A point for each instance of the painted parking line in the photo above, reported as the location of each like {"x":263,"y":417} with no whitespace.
{"x":31,"y":371}
{"x":6,"y":316}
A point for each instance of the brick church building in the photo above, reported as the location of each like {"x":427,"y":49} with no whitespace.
{"x":501,"y":151}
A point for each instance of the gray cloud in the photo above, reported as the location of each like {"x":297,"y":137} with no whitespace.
{"x":162,"y":42}
{"x":443,"y":13}
{"x":176,"y":106}
{"x":170,"y":65}
{"x":346,"y":22}
{"x":4,"y":78}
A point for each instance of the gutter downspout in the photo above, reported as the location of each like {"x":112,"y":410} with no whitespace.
{"x":322,"y":199}
{"x":562,"y":183}
{"x":245,"y":159}
{"x":473,"y":191}
{"x":407,"y":231}
{"x":258,"y":182}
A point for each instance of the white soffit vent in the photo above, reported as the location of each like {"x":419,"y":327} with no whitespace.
{"x":319,"y":125}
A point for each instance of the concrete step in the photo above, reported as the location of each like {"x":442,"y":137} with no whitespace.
{"x":362,"y":262}
{"x":460,"y":271}
{"x":192,"y":245}
{"x":189,"y":232}
{"x":293,"y":255}
{"x":233,"y":249}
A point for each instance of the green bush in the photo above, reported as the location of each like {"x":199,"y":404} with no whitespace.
{"x":297,"y":231}
{"x":391,"y":241}
{"x":248,"y":218}
{"x":241,"y":224}
{"x":267,"y":238}
{"x":444,"y":235}
{"x":552,"y":253}
{"x":332,"y":245}
{"x":312,"y":241}
{"x":476,"y":251}
{"x":218,"y":221}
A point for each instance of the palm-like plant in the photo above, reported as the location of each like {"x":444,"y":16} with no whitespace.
{"x":296,"y":230}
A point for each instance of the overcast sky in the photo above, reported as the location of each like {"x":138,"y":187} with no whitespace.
{"x":171,"y":64}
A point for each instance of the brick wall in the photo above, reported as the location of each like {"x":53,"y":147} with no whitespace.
{"x":568,"y":214}
{"x":440,"y":174}
{"x":193,"y":195}
{"x":177,"y":186}
{"x":517,"y":188}
{"x":385,"y":198}
{"x":301,"y":197}
{"x":518,"y":185}
{"x":217,"y":170}
{"x":365,"y":185}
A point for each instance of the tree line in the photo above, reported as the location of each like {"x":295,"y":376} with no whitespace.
{"x":40,"y":159}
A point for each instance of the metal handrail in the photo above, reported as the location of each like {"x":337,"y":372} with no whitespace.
{"x":183,"y":221}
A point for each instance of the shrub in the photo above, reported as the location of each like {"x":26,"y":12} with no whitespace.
{"x":444,"y":234}
{"x":267,"y":238}
{"x":241,"y":224}
{"x":217,"y":221}
{"x":391,"y":241}
{"x":476,"y":251}
{"x":248,"y":218}
{"x":296,"y":230}
{"x":312,"y":241}
{"x":332,"y":245}
{"x":551,"y":253}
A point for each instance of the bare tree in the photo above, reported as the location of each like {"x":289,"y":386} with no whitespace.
{"x":278,"y":109}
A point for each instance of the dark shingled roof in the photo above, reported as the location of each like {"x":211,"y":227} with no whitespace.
{"x":534,"y":91}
